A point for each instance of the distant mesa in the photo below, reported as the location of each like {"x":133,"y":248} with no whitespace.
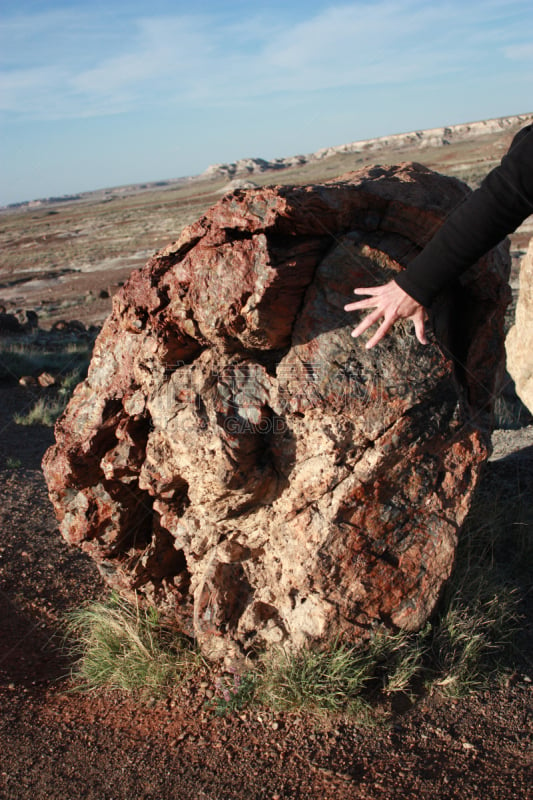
{"x":105,"y":195}
{"x":66,"y":198}
{"x":432,"y":137}
{"x":252,"y":166}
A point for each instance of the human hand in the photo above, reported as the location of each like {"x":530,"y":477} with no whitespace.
{"x":392,"y":303}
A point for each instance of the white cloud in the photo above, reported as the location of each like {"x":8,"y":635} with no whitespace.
{"x":520,"y":52}
{"x":23,"y":89}
{"x":163,"y":48}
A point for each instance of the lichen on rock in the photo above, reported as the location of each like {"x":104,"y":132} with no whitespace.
{"x":239,"y":460}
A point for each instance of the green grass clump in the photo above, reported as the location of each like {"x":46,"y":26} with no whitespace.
{"x":315,"y":680}
{"x":29,"y":357}
{"x":341,"y":677}
{"x":400,"y":659}
{"x":44,"y":411}
{"x":469,"y":640}
{"x":121,"y":646}
{"x":12,"y":462}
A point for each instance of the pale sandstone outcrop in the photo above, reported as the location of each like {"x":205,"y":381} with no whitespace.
{"x":238,"y":459}
{"x":519,"y":342}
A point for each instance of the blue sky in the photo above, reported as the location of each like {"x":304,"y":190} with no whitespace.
{"x":98,"y":94}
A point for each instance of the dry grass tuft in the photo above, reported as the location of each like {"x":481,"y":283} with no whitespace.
{"x":120,"y":646}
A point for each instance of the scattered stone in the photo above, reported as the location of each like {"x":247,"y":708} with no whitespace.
{"x":69,"y":326}
{"x":28,"y":380}
{"x":46,"y":380}
{"x":76,"y":326}
{"x":239,"y":460}
{"x":60,"y":325}
{"x":9,"y":324}
{"x":28,"y":319}
{"x":519,"y":342}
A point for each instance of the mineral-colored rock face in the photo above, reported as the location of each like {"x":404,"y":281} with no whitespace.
{"x":519,"y":343}
{"x":237,"y":458}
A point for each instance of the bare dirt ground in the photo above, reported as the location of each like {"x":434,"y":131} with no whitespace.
{"x":59,"y":744}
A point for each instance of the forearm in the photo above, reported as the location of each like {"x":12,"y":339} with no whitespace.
{"x":497,"y":208}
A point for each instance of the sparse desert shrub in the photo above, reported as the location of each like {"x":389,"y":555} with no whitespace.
{"x":29,"y":356}
{"x":67,"y":361}
{"x":468,"y":641}
{"x":44,"y":411}
{"x":120,"y":646}
{"x":13,"y":463}
{"x":326,"y":680}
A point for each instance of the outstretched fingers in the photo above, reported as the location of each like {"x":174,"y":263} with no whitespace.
{"x":367,"y":322}
{"x":368,"y":290}
{"x":360,"y":304}
{"x":381,"y":332}
{"x":391,"y":303}
{"x":368,"y":302}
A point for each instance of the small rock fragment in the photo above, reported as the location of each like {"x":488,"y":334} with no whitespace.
{"x":46,"y":379}
{"x":28,"y":380}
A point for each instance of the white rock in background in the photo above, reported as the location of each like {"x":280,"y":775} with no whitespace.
{"x":519,"y":343}
{"x":237,"y":183}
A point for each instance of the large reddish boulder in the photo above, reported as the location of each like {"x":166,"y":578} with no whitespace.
{"x":239,"y":460}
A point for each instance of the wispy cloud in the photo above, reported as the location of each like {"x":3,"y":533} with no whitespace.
{"x":74,"y":64}
{"x":520,"y":52}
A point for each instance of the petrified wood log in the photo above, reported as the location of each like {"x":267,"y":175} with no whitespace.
{"x":239,"y":460}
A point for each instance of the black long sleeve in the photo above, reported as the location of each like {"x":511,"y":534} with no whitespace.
{"x":498,"y":207}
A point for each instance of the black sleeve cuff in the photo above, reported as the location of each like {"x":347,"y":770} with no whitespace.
{"x":498,"y":207}
{"x":418,"y":293}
